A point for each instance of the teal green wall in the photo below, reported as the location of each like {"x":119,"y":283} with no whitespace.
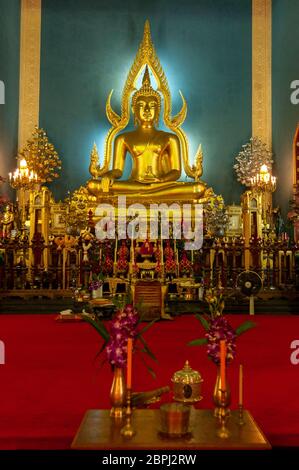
{"x":9,"y":74}
{"x":205,"y":50}
{"x":285,"y":64}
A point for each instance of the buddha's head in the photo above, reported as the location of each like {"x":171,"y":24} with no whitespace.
{"x":146,"y":103}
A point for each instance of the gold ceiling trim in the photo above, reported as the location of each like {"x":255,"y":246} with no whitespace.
{"x":262,"y":70}
{"x":29,"y":88}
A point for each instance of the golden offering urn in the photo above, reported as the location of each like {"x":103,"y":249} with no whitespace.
{"x":187,"y":385}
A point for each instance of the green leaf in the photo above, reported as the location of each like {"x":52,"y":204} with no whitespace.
{"x":103,"y":347}
{"x":198,"y":342}
{"x":118,"y":303}
{"x":146,"y":348}
{"x":141,"y":311}
{"x":98,"y":326}
{"x":150,"y":369}
{"x":203,"y":321}
{"x":103,"y":360}
{"x":128,"y":298}
{"x":147,"y":327}
{"x":247,"y":325}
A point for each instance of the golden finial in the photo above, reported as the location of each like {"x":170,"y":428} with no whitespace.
{"x":146,"y":90}
{"x":146,"y":78}
{"x":197,"y":168}
{"x":147,"y":28}
{"x":94,"y":155}
{"x":94,"y":167}
{"x":147,"y":38}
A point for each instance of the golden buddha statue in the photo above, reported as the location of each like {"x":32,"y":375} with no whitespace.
{"x":7,"y":221}
{"x":156,"y":154}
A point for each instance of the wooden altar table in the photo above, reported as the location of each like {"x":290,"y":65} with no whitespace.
{"x":99,"y":431}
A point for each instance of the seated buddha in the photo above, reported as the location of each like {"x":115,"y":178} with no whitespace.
{"x":156,"y":157}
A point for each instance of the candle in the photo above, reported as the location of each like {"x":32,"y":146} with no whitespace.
{"x":129,"y":363}
{"x":222,"y":364}
{"x":241,"y":385}
{"x":115,"y":250}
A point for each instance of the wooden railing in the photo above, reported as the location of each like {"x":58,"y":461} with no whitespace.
{"x":37,"y":265}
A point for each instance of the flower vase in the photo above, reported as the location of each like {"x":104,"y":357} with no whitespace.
{"x":221,"y":398}
{"x":97,"y":293}
{"x":118,"y":393}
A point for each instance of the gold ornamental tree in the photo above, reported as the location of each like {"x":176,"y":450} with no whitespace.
{"x":249,"y":160}
{"x":41,"y":156}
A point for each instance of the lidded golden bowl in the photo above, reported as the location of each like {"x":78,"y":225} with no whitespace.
{"x":187,"y":384}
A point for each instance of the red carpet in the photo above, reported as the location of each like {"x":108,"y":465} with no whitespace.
{"x":51,"y":377}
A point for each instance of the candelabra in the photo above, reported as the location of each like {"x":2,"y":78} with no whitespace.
{"x":265,"y":184}
{"x":263,"y":180}
{"x":23,"y":179}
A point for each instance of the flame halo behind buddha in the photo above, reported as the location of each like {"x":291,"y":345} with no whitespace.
{"x":157,"y":156}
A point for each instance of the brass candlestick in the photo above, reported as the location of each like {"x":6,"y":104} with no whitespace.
{"x":241,"y":416}
{"x":128,"y":431}
{"x":223,"y":415}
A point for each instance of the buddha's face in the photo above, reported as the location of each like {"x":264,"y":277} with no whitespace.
{"x":146,"y":110}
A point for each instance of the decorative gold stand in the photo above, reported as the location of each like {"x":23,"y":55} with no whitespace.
{"x":241,"y":416}
{"x":128,"y":431}
{"x":223,"y":414}
{"x":221,"y":398}
{"x":117,"y":394}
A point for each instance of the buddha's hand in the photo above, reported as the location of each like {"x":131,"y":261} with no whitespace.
{"x":106,"y":183}
{"x":152,"y":179}
{"x":149,"y":175}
